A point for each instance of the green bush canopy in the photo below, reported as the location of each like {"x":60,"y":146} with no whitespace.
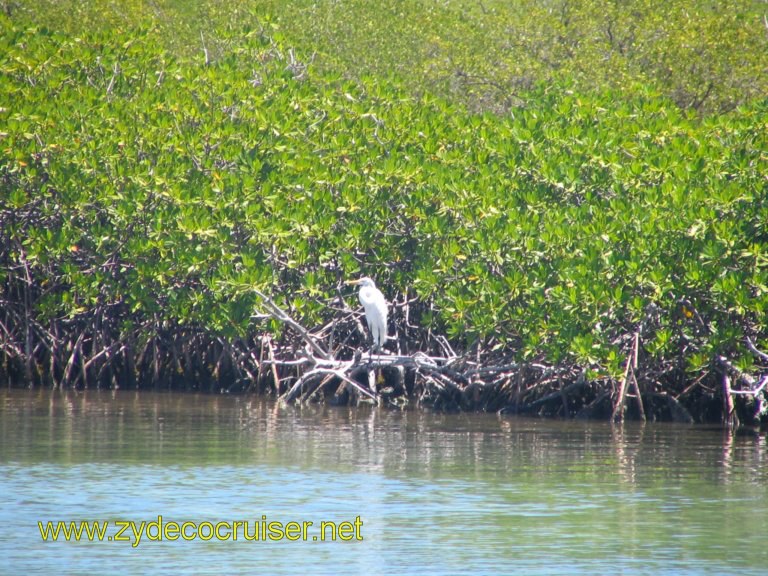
{"x":541,"y":182}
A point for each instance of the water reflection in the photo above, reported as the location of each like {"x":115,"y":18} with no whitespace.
{"x":71,"y":427}
{"x":434,"y":490}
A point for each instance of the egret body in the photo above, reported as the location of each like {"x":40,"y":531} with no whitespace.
{"x":375,"y":306}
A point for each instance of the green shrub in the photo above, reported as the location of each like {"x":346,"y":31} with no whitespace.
{"x":149,"y":185}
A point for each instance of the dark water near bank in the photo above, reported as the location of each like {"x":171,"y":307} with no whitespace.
{"x":436,"y":494}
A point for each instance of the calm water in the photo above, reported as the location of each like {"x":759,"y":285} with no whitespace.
{"x":436,"y":494}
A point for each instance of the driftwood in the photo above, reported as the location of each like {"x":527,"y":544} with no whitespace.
{"x":449,"y":381}
{"x":358,"y":373}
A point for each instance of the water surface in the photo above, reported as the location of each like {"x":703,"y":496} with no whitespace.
{"x":434,"y":493}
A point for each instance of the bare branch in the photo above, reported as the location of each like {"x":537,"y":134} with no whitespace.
{"x":750,"y":344}
{"x":279,"y":314}
{"x":754,"y":391}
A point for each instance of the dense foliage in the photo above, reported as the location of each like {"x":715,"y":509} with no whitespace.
{"x":703,"y":55}
{"x":148,"y":184}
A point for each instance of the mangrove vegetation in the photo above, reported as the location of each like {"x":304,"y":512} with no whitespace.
{"x":565,"y":202}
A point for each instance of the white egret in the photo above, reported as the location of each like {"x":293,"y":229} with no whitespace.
{"x":375,"y":310}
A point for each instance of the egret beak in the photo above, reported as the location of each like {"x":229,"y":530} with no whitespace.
{"x":352,"y":282}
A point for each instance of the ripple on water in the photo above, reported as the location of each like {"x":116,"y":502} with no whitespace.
{"x":437,"y":494}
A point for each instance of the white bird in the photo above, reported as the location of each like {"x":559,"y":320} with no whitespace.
{"x":375,"y":310}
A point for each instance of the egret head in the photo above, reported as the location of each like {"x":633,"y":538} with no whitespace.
{"x":363,"y":282}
